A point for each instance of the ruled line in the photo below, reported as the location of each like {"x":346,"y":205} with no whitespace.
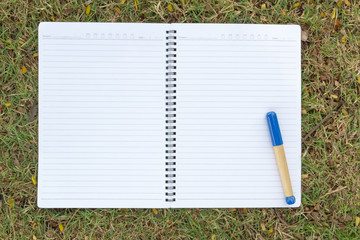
{"x":110,"y":181}
{"x":103,"y":186}
{"x":258,"y":68}
{"x":91,"y":118}
{"x":99,"y":175}
{"x":240,"y":57}
{"x":92,"y":67}
{"x":102,"y":199}
{"x":105,"y":90}
{"x":96,"y":61}
{"x":76,"y":95}
{"x":233,"y":44}
{"x":103,"y":84}
{"x":228,"y":199}
{"x":97,"y":56}
{"x":105,"y":50}
{"x":102,"y":78}
{"x":97,"y":192}
{"x":92,"y":112}
{"x":104,"y":152}
{"x":97,"y":44}
{"x":98,"y":101}
{"x":273,"y":92}
{"x":180,"y":38}
{"x":101,"y":164}
{"x":89,"y":39}
{"x":233,"y":192}
{"x":232,"y":50}
{"x":116,"y":73}
{"x":229,"y":73}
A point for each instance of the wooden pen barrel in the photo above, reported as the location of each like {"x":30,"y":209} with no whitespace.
{"x":283,"y":169}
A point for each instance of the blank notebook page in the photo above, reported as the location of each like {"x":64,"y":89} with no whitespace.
{"x":101,"y":134}
{"x":228,"y":78}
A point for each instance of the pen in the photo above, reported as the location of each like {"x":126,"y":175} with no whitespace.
{"x":277,"y":143}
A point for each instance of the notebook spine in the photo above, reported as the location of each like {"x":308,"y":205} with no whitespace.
{"x":170,"y":163}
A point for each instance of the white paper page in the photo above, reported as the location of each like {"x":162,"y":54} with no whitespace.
{"x":101,"y":119}
{"x":228,"y":78}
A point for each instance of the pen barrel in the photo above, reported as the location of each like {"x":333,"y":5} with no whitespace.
{"x":283,"y":169}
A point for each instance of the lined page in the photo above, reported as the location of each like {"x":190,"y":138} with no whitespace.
{"x":101,"y":115}
{"x":228,"y":78}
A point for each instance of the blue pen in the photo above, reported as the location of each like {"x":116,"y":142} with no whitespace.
{"x":277,"y":143}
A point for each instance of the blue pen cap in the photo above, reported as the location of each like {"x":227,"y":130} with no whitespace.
{"x":274,"y":129}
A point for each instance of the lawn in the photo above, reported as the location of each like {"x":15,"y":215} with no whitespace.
{"x":330,"y":125}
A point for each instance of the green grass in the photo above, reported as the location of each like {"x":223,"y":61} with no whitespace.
{"x":331,"y":85}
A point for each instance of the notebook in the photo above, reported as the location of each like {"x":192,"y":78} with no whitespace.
{"x":135,"y":115}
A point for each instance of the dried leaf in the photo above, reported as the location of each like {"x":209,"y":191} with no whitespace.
{"x":344,"y":112}
{"x":67,"y":11}
{"x":122,"y":1}
{"x":21,"y":42}
{"x":283,"y":12}
{"x":170,"y":8}
{"x":347,"y":2}
{"x":33,"y":112}
{"x":270,"y":230}
{"x":155,"y":211}
{"x":2,"y":167}
{"x":323,"y":15}
{"x":11,"y":203}
{"x":296,"y":5}
{"x":213,"y":237}
{"x":303,"y":176}
{"x":333,"y":15}
{"x":303,"y":111}
{"x":136,"y":4}
{"x":304,"y":36}
{"x":117,"y":10}
{"x":88,"y":8}
{"x":183,"y":2}
{"x":61,"y":227}
{"x":33,"y":180}
{"x":8,"y":104}
{"x":23,"y":69}
{"x":334,"y":96}
{"x":262,"y":225}
{"x":343,"y":39}
{"x":263,"y":6}
{"x":337,"y":25}
{"x":35,"y":55}
{"x":358,"y":80}
{"x":357,"y":221}
{"x":34,"y":238}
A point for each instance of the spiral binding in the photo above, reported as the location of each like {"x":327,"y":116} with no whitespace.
{"x":170,"y":121}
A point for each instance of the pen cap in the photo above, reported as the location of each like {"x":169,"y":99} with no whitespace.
{"x":274,"y":128}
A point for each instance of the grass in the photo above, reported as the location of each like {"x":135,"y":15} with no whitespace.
{"x":331,"y":91}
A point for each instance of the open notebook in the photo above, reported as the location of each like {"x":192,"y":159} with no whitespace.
{"x":166,"y":115}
